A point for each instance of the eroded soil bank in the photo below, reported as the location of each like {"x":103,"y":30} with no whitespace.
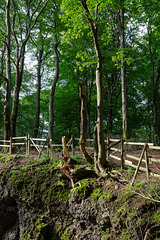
{"x":38,"y":202}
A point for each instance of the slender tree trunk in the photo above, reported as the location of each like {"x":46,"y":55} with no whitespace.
{"x":56,"y":76}
{"x":110,"y":111}
{"x":7,"y":130}
{"x":100,"y":157}
{"x":123,"y":77}
{"x":30,"y":22}
{"x":2,"y":62}
{"x":99,"y":124}
{"x":154,"y":99}
{"x":36,"y":126}
{"x":18,"y":82}
{"x":88,"y":104}
{"x":110,"y":118}
{"x":155,"y":103}
{"x":154,"y":83}
{"x":82,"y":127}
{"x":113,"y":92}
{"x":158,"y":102}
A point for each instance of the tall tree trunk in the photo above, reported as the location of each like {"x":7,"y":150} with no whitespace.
{"x":7,"y":130}
{"x":56,"y":76}
{"x":158,"y":102}
{"x":110,"y":117}
{"x":82,"y":126}
{"x":88,"y":104}
{"x":123,"y":77}
{"x":113,"y":92}
{"x":18,"y":82}
{"x":100,"y":157}
{"x":110,"y":111}
{"x":155,"y":103}
{"x":154,"y":83}
{"x":2,"y":62}
{"x":30,"y":22}
{"x":36,"y":126}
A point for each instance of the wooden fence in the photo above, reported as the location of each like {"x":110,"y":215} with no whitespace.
{"x":115,"y":149}
{"x":27,"y":142}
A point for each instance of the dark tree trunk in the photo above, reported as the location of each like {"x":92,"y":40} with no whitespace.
{"x":37,"y":117}
{"x":18,"y":82}
{"x":155,"y":102}
{"x":2,"y":62}
{"x":88,"y":104}
{"x":30,"y":22}
{"x":82,"y":126}
{"x":110,"y":111}
{"x":155,"y":94}
{"x":123,"y":76}
{"x":56,"y":76}
{"x":7,"y":129}
{"x":158,"y":102}
{"x":113,"y":93}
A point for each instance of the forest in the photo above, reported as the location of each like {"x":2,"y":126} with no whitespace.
{"x":80,"y":70}
{"x":56,"y":53}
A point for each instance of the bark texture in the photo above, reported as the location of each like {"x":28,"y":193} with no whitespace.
{"x":155,"y":76}
{"x":7,"y":129}
{"x":39,"y":76}
{"x":123,"y":76}
{"x":82,"y":127}
{"x":51,"y":101}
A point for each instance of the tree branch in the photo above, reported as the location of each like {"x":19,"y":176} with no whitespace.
{"x":5,"y":79}
{"x":96,"y":11}
{"x":143,"y":196}
{"x":35,"y":21}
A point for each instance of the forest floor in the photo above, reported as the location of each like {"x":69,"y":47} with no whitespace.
{"x":115,"y":164}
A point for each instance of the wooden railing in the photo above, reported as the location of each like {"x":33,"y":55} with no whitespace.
{"x":38,"y":143}
{"x":123,"y":158}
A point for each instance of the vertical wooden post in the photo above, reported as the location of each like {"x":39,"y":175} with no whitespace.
{"x":10,"y":148}
{"x":122,"y":150}
{"x":147,"y":162}
{"x":140,"y":160}
{"x":108,"y":149}
{"x":28,"y":144}
{"x":73,"y":152}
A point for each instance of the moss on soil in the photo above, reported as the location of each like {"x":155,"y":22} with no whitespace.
{"x":41,"y":180}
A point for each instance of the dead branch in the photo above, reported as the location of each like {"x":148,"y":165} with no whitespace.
{"x":67,"y":168}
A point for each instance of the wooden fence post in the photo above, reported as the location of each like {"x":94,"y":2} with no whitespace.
{"x":147,"y":162}
{"x":28,"y":144}
{"x":10,"y":148}
{"x":122,"y":150}
{"x":73,"y":151}
{"x":107,"y":148}
{"x":140,"y":160}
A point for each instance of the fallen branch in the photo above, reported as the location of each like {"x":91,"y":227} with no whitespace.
{"x":143,"y":196}
{"x":150,"y":231}
{"x":67,"y":168}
